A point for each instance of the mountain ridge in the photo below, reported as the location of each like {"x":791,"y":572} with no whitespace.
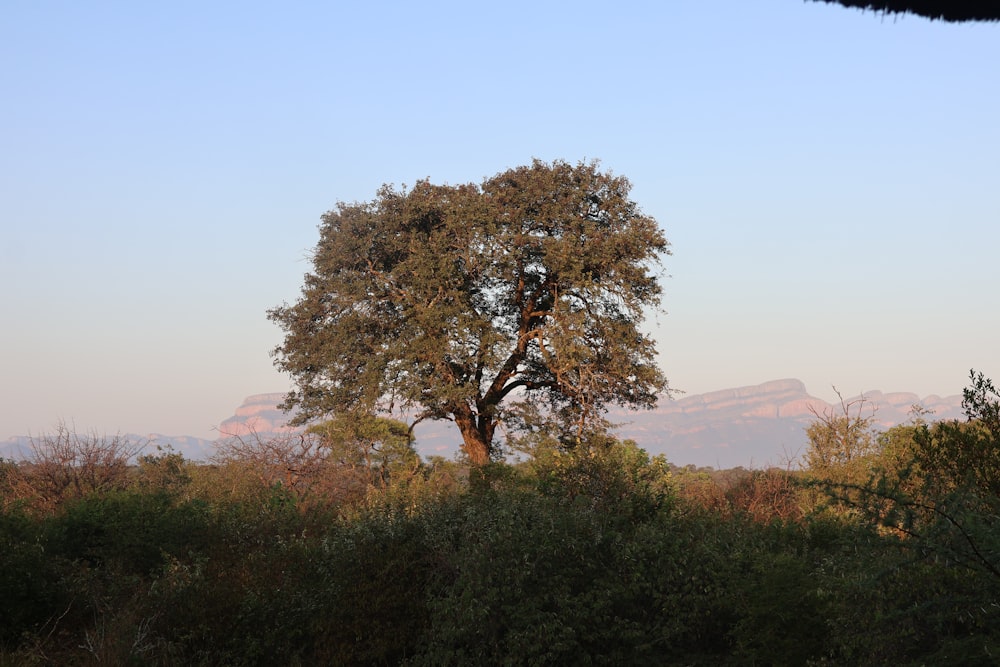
{"x":749,"y":426}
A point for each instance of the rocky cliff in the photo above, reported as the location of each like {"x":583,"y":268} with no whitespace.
{"x":258,"y":414}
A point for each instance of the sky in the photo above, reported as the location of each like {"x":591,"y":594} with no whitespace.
{"x":829,"y":180}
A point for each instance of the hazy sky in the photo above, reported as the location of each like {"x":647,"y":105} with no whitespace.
{"x":829,"y":180}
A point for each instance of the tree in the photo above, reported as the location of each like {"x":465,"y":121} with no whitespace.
{"x":942,"y":489}
{"x":296,"y":461}
{"x":967,"y":453}
{"x":451,"y":300}
{"x":841,"y":445}
{"x":375,"y":449}
{"x":67,"y":465}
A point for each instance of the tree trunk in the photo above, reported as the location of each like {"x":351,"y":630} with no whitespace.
{"x":477,"y":447}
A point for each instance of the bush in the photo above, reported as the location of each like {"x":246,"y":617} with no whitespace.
{"x":128,"y":532}
{"x":30,"y":594}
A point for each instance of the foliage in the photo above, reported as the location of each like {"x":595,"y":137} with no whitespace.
{"x":966,"y":454}
{"x":454,"y":299}
{"x":588,"y":552}
{"x":134,"y":532}
{"x":533,"y":598}
{"x":296,"y":461}
{"x":933,"y":495}
{"x":946,"y":496}
{"x":615,"y":477}
{"x":28,"y":580}
{"x":767,"y":495}
{"x":65,"y":465}
{"x":376,"y":450}
{"x":15,"y":488}
{"x":841,"y":445}
{"x":167,"y":471}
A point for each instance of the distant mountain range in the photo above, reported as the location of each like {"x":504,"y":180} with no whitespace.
{"x":18,"y":447}
{"x":758,"y":426}
{"x":753,"y":427}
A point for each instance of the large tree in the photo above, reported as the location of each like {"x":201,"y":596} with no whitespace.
{"x":459,"y":301}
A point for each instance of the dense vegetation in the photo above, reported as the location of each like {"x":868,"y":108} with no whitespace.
{"x":343,"y":547}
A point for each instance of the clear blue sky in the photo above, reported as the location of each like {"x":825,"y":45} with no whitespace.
{"x":829,"y":179}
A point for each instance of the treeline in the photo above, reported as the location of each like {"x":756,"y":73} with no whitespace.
{"x":341,"y":546}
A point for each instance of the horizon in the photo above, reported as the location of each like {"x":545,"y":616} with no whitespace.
{"x":867,"y":393}
{"x":825,"y":176}
{"x":752,"y":427}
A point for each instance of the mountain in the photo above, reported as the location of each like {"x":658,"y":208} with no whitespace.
{"x":757,"y":426}
{"x":753,"y":427}
{"x":259,"y":414}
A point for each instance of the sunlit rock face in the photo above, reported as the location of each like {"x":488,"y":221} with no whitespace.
{"x":257,"y":415}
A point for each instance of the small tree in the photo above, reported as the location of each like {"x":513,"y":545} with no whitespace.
{"x":375,"y":449}
{"x":296,"y":461}
{"x":166,"y":471}
{"x":66,"y":464}
{"x":451,"y":299}
{"x":841,"y":444}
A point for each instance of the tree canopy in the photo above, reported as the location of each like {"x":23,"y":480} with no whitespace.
{"x":945,"y":10}
{"x":460,"y":301}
